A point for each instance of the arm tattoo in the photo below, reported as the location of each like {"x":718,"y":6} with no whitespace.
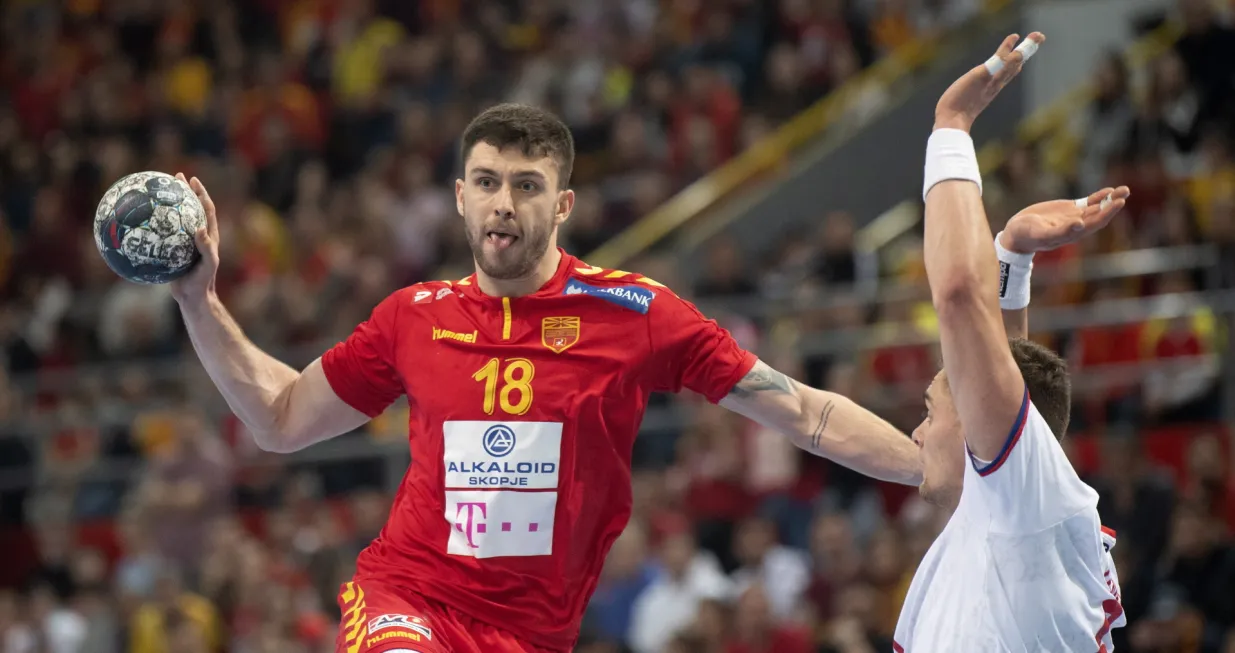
{"x":762,"y":378}
{"x":824,"y":415}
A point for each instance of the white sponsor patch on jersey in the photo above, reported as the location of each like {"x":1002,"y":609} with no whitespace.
{"x":500,"y":455}
{"x":489,"y":524}
{"x":500,"y":486}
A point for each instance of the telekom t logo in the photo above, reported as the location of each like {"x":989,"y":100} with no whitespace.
{"x":474,"y":523}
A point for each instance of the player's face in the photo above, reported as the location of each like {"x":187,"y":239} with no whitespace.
{"x":941,"y":446}
{"x":511,"y":207}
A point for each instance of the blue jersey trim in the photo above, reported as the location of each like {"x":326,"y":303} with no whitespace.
{"x":1018,"y":427}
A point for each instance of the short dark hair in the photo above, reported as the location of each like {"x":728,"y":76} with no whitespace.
{"x":1046,"y":377}
{"x":535,"y":131}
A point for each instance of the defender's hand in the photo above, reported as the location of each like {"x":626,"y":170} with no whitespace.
{"x":195,"y":286}
{"x":1048,"y":225}
{"x":969,"y":96}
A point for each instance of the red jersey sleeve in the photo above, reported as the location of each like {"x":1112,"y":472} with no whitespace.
{"x":361,"y":369}
{"x":692,"y":351}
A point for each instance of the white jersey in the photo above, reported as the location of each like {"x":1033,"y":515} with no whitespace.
{"x":1023,"y":564}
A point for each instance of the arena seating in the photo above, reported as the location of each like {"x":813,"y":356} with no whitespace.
{"x":136,"y":514}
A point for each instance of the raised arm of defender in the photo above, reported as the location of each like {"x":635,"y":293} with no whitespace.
{"x":961,"y":265}
{"x":284,"y":409}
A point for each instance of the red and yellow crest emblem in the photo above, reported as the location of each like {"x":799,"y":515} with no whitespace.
{"x":559,"y":333}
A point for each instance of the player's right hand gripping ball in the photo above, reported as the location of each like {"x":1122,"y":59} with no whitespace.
{"x":144,"y":227}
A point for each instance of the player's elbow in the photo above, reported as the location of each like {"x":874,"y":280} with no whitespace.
{"x":277,"y":441}
{"x":959,"y":296}
{"x":286,"y":430}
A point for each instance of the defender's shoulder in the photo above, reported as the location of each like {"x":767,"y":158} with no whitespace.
{"x":629,"y":290}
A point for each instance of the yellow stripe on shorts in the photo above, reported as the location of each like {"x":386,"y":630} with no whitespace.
{"x":354,"y":617}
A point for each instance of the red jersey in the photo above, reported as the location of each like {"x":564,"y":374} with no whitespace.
{"x":523,"y":414}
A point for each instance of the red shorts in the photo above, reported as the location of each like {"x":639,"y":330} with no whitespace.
{"x":377,"y":619}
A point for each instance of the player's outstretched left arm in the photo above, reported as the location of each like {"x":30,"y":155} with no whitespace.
{"x":826,"y":424}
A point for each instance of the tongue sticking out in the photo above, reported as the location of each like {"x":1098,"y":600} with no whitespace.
{"x":501,"y":241}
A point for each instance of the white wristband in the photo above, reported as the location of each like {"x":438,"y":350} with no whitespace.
{"x":950,"y":155}
{"x":1014,"y":272}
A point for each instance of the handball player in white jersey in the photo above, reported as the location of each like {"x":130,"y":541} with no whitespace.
{"x":1023,"y":563}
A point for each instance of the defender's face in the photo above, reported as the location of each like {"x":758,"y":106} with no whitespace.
{"x":941,"y":447}
{"x":511,"y":208}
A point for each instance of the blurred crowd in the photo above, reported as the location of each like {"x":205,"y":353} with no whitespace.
{"x":325,"y":130}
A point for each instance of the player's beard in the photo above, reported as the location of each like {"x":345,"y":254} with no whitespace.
{"x":517,"y":261}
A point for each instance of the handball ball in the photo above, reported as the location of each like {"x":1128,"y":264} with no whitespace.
{"x":144,"y":227}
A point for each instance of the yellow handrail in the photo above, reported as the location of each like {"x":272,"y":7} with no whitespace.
{"x":767,"y":154}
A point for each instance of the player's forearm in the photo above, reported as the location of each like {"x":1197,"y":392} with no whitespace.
{"x":1016,"y":322}
{"x":837,"y":428}
{"x":826,"y":424}
{"x":960,"y":263}
{"x":257,"y":386}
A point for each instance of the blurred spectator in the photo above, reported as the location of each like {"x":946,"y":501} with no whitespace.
{"x":837,"y":562}
{"x":1174,"y":118}
{"x":1181,"y":392}
{"x":55,"y":547}
{"x":932,"y":17}
{"x":1108,"y":121}
{"x":756,"y":628}
{"x":1197,"y":570}
{"x":688,"y":576}
{"x":892,"y":26}
{"x":857,"y":628}
{"x":94,"y":603}
{"x":140,"y":563}
{"x":185,"y":487}
{"x":1137,"y":498}
{"x":1021,"y":182}
{"x":1206,"y":42}
{"x":725,"y":273}
{"x":839,"y":259}
{"x":627,"y":573}
{"x":777,"y":571}
{"x":160,"y":622}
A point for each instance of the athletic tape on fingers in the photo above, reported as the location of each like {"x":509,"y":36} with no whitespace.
{"x":1106,"y":201}
{"x":1027,"y":48}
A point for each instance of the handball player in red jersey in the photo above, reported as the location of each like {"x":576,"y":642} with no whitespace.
{"x":527,"y":382}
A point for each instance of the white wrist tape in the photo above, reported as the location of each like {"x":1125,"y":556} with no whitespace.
{"x":950,"y":155}
{"x":1014,"y":272}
